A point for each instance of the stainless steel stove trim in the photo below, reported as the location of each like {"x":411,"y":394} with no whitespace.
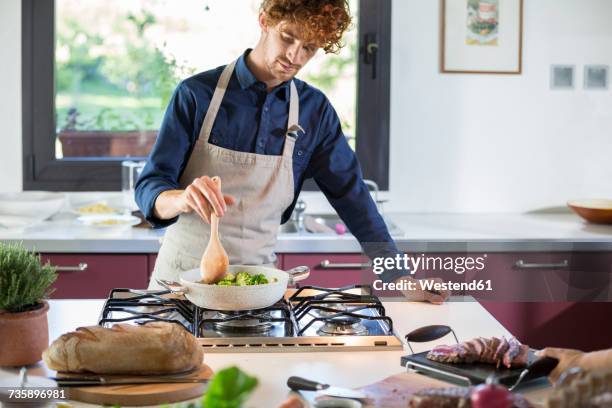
{"x":382,"y":342}
{"x":300,"y":344}
{"x":437,"y":373}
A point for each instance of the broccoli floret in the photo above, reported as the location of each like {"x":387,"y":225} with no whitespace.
{"x":225,"y":282}
{"x":259,"y":279}
{"x":243,"y":278}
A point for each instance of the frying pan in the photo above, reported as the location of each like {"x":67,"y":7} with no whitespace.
{"x":234,"y":298}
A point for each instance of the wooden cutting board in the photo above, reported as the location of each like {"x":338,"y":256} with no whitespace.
{"x":142,"y":394}
{"x":395,"y":391}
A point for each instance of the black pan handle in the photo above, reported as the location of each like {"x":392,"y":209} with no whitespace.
{"x":428,"y":333}
{"x":302,"y":384}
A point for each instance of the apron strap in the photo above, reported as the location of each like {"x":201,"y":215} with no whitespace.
{"x":215,"y":102}
{"x":294,"y":108}
{"x":292,"y":124}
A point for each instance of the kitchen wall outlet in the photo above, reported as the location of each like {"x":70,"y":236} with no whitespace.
{"x":596,"y":77}
{"x":562,"y":76}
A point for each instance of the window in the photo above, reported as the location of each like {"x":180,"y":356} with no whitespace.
{"x":97,"y":77}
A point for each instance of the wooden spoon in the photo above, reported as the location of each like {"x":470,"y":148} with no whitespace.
{"x":214,"y":260}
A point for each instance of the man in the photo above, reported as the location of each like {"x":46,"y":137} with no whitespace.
{"x":263,"y":132}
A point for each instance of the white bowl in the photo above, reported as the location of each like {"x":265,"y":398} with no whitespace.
{"x":37,"y":205}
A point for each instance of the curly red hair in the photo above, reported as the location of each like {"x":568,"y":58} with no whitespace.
{"x":321,"y":21}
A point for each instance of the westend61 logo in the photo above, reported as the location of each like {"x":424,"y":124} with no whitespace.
{"x":458,"y":264}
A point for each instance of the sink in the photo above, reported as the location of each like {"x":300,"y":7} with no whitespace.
{"x":330,"y":221}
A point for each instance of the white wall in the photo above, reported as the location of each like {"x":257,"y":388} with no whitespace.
{"x":460,"y":143}
{"x":463,"y":143}
{"x":10,"y":95}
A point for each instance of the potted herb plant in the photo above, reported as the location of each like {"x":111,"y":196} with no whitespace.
{"x":24,"y":285}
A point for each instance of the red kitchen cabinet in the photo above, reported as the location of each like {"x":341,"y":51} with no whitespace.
{"x":329,"y":270}
{"x":544,"y":298}
{"x":280,"y":261}
{"x":563,"y":297}
{"x":92,"y":276}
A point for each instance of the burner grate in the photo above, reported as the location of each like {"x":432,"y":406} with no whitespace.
{"x":223,"y":320}
{"x":129,"y":304}
{"x":352,"y":304}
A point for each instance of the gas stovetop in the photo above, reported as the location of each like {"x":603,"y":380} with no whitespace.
{"x":307,"y":318}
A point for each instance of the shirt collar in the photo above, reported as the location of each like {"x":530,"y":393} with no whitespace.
{"x":246,"y":78}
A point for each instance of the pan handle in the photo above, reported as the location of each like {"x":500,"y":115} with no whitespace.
{"x":172,"y":286}
{"x":429,"y":333}
{"x":298,"y":273}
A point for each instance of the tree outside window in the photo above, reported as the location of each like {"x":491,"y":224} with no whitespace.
{"x":117,"y":64}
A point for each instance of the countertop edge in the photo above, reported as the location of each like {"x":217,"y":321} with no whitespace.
{"x":296,"y":246}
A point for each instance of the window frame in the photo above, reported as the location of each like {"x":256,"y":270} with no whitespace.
{"x":42,"y":171}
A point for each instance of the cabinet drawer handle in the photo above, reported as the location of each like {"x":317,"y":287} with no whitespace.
{"x":326,"y":264}
{"x":524,"y":265}
{"x":79,"y":268}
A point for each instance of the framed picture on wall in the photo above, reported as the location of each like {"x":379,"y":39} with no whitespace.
{"x":481,"y":36}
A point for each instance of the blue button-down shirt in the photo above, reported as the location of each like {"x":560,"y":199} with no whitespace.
{"x":251,"y":119}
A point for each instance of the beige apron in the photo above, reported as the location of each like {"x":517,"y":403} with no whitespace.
{"x":261,"y":184}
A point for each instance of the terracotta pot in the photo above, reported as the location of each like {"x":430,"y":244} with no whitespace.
{"x":106,"y":143}
{"x":24,"y":336}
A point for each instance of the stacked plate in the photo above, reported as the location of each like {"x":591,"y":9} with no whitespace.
{"x":102,"y":214}
{"x":28,"y":208}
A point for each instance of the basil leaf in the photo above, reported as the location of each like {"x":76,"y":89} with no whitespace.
{"x":229,"y":388}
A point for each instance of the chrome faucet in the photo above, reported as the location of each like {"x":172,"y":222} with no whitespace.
{"x":297,"y":216}
{"x":374,"y":186}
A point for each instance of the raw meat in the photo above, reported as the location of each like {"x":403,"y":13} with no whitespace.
{"x":511,"y":353}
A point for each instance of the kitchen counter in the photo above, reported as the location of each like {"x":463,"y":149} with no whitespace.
{"x":561,"y":231}
{"x":348,"y":369}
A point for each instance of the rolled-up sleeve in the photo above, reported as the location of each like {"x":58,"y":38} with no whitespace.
{"x":336,"y":170}
{"x":169,"y":155}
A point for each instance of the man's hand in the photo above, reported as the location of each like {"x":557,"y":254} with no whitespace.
{"x":568,"y":358}
{"x":203,"y":196}
{"x":420,"y":295}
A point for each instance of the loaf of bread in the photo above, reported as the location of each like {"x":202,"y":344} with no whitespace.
{"x":154,"y":348}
